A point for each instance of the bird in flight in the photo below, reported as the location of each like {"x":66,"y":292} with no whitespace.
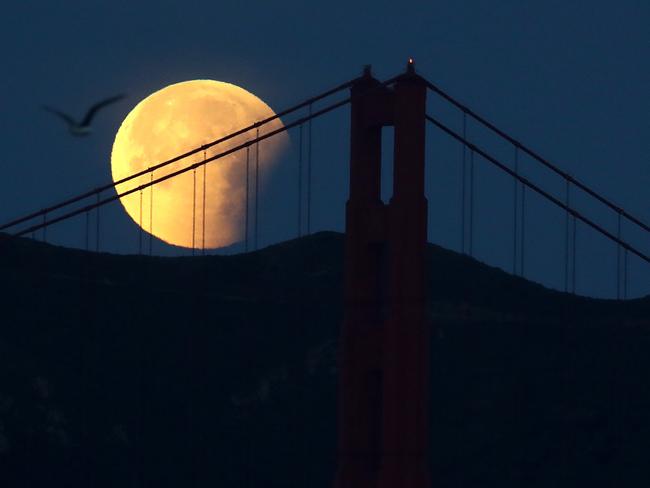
{"x":83,"y":128}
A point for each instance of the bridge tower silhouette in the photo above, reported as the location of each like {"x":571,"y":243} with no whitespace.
{"x":384,"y":339}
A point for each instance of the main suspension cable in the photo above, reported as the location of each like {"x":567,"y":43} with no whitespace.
{"x":173,"y":174}
{"x":208,"y":145}
{"x":536,"y":156}
{"x":528,"y":184}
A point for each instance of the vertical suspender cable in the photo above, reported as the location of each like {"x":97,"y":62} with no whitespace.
{"x":523,"y":229}
{"x":257,"y":185}
{"x":140,"y":230}
{"x":573,"y":255}
{"x":471,"y":203}
{"x":309,"y":174}
{"x":203,"y":211}
{"x":566,"y":237}
{"x":514,"y":214}
{"x":618,"y":257}
{"x":150,"y":214}
{"x":87,"y":230}
{"x":246,"y":224}
{"x":625,"y":274}
{"x":462,"y":197}
{"x":97,"y":225}
{"x":300,"y":182}
{"x":193,"y":210}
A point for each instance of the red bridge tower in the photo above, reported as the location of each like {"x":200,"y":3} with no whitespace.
{"x":384,"y":340}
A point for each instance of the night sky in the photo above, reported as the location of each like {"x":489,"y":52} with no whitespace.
{"x":569,"y":79}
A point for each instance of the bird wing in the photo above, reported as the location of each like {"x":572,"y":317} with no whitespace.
{"x":93,"y":110}
{"x":69,"y":120}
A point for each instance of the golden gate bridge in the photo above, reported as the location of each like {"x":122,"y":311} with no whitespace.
{"x":383,"y":392}
{"x":93,"y":199}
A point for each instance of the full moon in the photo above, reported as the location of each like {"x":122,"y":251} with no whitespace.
{"x":175,"y":120}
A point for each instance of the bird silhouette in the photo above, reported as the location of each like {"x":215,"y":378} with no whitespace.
{"x":83,"y":128}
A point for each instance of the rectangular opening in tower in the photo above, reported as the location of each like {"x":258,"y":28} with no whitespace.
{"x":387,"y":147}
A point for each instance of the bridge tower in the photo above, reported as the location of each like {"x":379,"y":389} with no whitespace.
{"x":384,"y":339}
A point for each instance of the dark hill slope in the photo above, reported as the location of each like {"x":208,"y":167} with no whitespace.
{"x":139,"y":371}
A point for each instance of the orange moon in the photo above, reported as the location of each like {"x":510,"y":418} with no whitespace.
{"x":175,"y":120}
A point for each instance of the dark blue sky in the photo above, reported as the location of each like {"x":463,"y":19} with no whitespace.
{"x":570,"y":79}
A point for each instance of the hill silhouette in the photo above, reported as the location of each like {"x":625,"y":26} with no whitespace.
{"x":221,"y":371}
